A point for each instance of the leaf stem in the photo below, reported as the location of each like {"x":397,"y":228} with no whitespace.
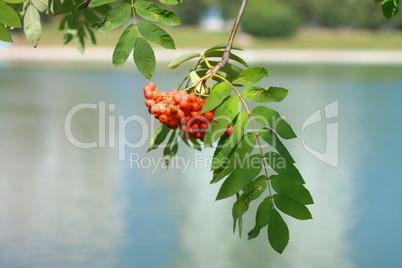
{"x":133,"y":9}
{"x":226,"y":53}
{"x":254,"y":129}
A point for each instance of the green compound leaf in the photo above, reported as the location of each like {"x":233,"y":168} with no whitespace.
{"x":292,"y":207}
{"x":263,"y":217}
{"x":96,"y":3}
{"x":155,"y":34}
{"x":114,"y":18}
{"x":271,"y":118}
{"x":278,"y":232}
{"x":219,"y":93}
{"x":259,"y":94}
{"x":241,"y":177}
{"x":240,"y":152}
{"x":270,"y":137}
{"x":125,"y":45}
{"x":250,"y":76}
{"x":8,"y":16}
{"x":223,"y":116}
{"x":171,"y":149}
{"x":390,"y":8}
{"x":171,"y":2}
{"x":219,"y":54}
{"x":32,"y":25}
{"x":183,"y":58}
{"x":282,"y":167}
{"x":144,"y":57}
{"x":153,"y":12}
{"x":291,"y":188}
{"x":5,"y":34}
{"x":159,"y":137}
{"x":227,"y":143}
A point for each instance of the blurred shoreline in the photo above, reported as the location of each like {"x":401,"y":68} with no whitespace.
{"x":281,"y":56}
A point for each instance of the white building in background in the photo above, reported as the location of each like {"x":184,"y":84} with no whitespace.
{"x":213,"y":21}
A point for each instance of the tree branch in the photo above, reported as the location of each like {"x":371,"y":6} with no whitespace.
{"x":226,"y":54}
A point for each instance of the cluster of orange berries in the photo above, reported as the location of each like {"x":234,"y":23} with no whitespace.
{"x":180,"y":109}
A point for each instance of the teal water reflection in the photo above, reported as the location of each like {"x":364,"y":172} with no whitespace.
{"x":62,"y":206}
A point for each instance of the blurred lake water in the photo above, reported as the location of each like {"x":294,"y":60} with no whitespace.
{"x":64,"y":206}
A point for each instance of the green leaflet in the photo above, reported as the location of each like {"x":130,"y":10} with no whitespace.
{"x":159,"y":137}
{"x":96,"y":3}
{"x":5,"y":34}
{"x":153,"y":12}
{"x":229,"y":71}
{"x":183,"y":58}
{"x":8,"y":16}
{"x":263,"y":217}
{"x":41,"y":5}
{"x":271,"y":118}
{"x":219,"y":93}
{"x":171,"y":149}
{"x":155,"y":34}
{"x":125,"y":45}
{"x":259,"y":94}
{"x":390,"y":8}
{"x":282,"y":167}
{"x":292,"y":207}
{"x":250,"y":76}
{"x":219,"y":54}
{"x":171,"y":2}
{"x":278,"y":232}
{"x":32,"y":25}
{"x":250,"y":192}
{"x":113,"y":18}
{"x":144,"y":57}
{"x":226,"y":144}
{"x":221,"y":47}
{"x":291,"y":188}
{"x":270,"y":137}
{"x":224,"y":115}
{"x":240,"y":177}
{"x":239,"y":153}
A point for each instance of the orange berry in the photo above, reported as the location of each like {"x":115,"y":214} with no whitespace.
{"x":209,"y":115}
{"x":163,"y":119}
{"x":151,"y":84}
{"x":177,"y":98}
{"x":195,"y":114}
{"x":149,"y":103}
{"x":183,"y":103}
{"x":192,"y":98}
{"x":148,"y":94}
{"x":179,"y":114}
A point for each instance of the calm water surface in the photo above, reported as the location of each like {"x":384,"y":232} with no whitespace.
{"x":63,"y":206}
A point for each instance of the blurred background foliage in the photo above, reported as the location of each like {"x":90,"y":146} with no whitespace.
{"x":272,"y":18}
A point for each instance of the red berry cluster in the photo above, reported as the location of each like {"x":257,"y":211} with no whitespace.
{"x":180,"y":109}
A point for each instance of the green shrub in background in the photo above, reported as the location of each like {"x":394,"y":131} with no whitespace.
{"x":270,"y":19}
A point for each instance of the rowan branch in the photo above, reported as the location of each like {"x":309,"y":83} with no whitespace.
{"x":226,"y":54}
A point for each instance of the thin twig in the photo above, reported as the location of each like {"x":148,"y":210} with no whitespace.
{"x":226,"y":54}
